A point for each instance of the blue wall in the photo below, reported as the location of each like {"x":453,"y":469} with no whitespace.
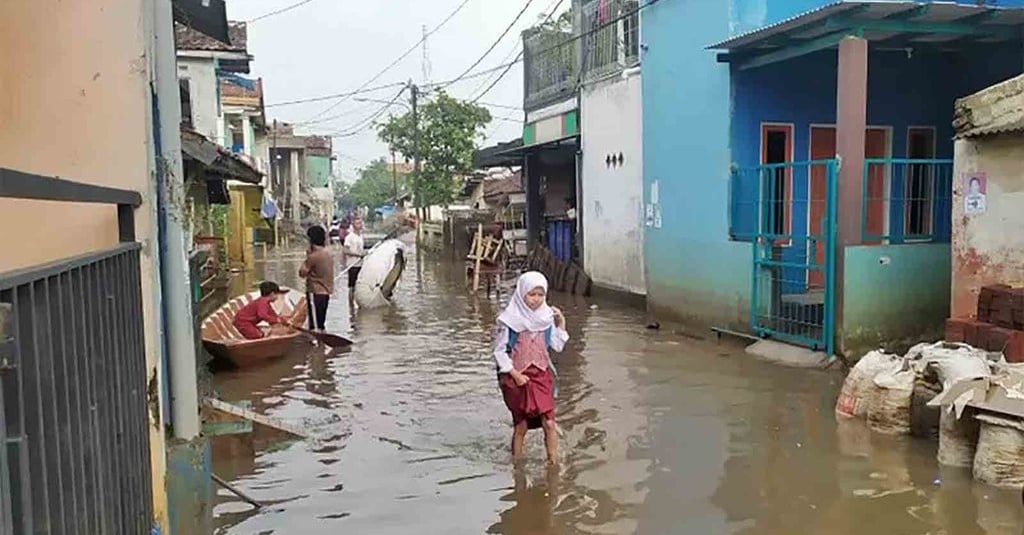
{"x":698,"y":120}
{"x":693,"y":272}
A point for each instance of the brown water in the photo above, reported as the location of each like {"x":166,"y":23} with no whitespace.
{"x":661,"y":434}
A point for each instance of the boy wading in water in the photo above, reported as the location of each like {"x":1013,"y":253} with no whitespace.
{"x":527,"y":329}
{"x":318,"y":270}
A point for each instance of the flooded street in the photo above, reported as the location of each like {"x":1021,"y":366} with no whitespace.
{"x":660,"y":434}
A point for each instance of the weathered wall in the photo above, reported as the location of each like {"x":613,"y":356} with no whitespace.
{"x":894,"y":294}
{"x":205,"y":94}
{"x":988,"y":247}
{"x":318,"y":171}
{"x":612,"y":204}
{"x":74,"y":102}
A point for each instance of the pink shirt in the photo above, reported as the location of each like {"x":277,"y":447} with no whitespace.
{"x":504,"y":362}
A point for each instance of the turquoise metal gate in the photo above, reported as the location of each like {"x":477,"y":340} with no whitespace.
{"x":792,"y":297}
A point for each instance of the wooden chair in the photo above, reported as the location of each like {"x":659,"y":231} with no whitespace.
{"x":485,"y":259}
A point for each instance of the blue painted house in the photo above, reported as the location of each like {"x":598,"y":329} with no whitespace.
{"x":797,"y":160}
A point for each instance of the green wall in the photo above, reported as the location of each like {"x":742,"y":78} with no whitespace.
{"x":318,"y":171}
{"x":894,"y":295}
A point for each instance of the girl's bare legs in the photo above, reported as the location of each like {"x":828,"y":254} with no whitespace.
{"x":551,"y":439}
{"x":518,"y":440}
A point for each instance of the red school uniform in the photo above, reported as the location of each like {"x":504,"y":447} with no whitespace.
{"x":253,"y":313}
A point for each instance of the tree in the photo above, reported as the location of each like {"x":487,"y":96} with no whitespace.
{"x":448,"y":130}
{"x":374,"y":186}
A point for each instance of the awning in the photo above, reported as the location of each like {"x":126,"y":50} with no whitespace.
{"x":904,"y":24}
{"x":208,"y":17}
{"x":216,"y":160}
{"x":553,"y":145}
{"x":494,"y":156}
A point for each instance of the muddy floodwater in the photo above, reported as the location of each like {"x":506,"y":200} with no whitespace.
{"x":661,"y":434}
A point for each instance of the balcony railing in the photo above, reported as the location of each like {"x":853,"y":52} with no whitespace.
{"x":611,"y":42}
{"x":907,"y":200}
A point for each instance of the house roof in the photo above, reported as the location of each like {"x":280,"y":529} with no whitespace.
{"x":217,"y":160}
{"x":898,"y":23}
{"x":239,"y":91}
{"x":503,"y":186}
{"x":187,"y":38}
{"x":994,"y":110}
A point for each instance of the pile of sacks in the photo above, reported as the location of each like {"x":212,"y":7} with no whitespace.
{"x":894,"y":394}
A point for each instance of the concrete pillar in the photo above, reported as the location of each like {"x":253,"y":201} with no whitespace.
{"x":851,"y":124}
{"x":296,"y":179}
{"x":534,"y":215}
{"x":247,"y":137}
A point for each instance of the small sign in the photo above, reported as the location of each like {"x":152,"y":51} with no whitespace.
{"x":655,"y":193}
{"x":975,"y":193}
{"x":649,"y":215}
{"x":657,"y":216}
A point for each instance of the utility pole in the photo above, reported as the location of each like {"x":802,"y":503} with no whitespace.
{"x":416,"y":148}
{"x":273,"y":179}
{"x":394,"y":176}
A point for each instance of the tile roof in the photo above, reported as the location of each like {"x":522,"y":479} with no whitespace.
{"x":188,"y":39}
{"x":503,"y":186}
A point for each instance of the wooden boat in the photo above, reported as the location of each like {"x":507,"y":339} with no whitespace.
{"x":222,"y":339}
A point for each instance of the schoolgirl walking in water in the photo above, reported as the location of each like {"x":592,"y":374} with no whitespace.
{"x":527,"y":330}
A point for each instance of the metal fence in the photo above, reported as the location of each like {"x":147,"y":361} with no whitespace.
{"x":612,"y":37}
{"x":788,"y":211}
{"x":551,"y":65}
{"x":907,"y":200}
{"x":73,"y":390}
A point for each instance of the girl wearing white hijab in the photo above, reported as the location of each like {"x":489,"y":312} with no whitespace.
{"x":527,"y":329}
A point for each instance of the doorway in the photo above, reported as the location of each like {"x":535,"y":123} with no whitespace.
{"x":823,"y":146}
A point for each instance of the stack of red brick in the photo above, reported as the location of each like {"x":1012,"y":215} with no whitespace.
{"x":999,"y":325}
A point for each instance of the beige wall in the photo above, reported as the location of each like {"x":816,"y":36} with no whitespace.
{"x":988,"y":248}
{"x":74,"y":103}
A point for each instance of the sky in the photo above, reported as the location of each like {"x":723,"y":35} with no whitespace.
{"x":325,"y":47}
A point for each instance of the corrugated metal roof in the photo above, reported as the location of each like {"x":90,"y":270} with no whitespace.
{"x":809,"y":25}
{"x":995,"y":110}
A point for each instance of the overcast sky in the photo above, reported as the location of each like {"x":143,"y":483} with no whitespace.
{"x":333,"y":46}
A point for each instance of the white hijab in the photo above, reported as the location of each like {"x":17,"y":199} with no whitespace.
{"x":518,"y":316}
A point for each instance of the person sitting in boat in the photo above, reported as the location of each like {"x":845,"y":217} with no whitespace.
{"x":262,"y":310}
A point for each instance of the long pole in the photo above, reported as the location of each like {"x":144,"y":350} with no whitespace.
{"x":416,"y":150}
{"x":174,"y":267}
{"x":273,"y":179}
{"x":394,"y":176}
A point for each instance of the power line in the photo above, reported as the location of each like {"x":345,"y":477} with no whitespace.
{"x":279,"y":11}
{"x":359,"y":91}
{"x":400,"y":58}
{"x":500,"y":106}
{"x":496,"y":41}
{"x":362,"y":125}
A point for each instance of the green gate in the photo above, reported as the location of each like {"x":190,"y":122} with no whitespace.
{"x":793,"y":281}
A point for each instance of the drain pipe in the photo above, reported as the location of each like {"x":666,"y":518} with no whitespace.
{"x":174,"y":268}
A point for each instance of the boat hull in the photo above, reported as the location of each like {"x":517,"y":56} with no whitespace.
{"x":223,"y":341}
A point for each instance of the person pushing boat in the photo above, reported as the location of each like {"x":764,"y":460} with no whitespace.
{"x":261,"y":310}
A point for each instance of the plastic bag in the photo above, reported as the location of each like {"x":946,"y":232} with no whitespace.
{"x":1000,"y":450}
{"x":953,"y":362}
{"x":924,"y":420}
{"x":958,"y":439}
{"x":889,"y":411}
{"x":853,"y":398}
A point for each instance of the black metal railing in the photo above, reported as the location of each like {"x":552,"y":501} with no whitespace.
{"x":73,"y":383}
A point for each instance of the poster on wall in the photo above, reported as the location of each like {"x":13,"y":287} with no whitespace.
{"x":649,"y":215}
{"x":975,"y":186}
{"x":657,"y":216}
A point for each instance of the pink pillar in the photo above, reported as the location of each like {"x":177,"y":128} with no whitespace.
{"x":851,"y":124}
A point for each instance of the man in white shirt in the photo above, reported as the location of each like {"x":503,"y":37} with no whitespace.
{"x":353,"y":252}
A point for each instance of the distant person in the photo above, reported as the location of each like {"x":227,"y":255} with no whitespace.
{"x":526,"y":331}
{"x":354,"y":251}
{"x":318,"y":270}
{"x":247,"y":319}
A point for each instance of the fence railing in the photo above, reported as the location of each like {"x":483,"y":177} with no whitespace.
{"x":75,"y":455}
{"x":907,"y":200}
{"x":551,"y":65}
{"x":788,"y":211}
{"x":612,"y":37}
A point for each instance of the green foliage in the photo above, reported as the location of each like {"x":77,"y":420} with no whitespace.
{"x":374,"y":186}
{"x":448,"y":131}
